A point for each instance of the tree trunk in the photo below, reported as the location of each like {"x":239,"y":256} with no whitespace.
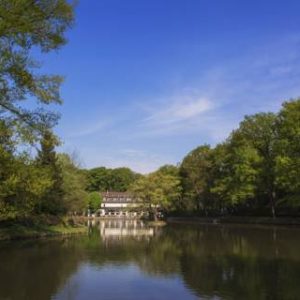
{"x":155,"y":214}
{"x":272,"y":202}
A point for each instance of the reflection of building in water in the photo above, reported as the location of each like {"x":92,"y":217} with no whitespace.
{"x":118,"y":204}
{"x":118,"y":229}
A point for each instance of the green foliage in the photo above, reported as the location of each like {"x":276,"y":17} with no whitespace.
{"x":233,"y":174}
{"x":288,"y":147}
{"x":33,"y":185}
{"x":75,"y":198}
{"x":257,"y":167}
{"x":24,"y":25}
{"x":47,"y":160}
{"x":22,"y":182}
{"x":195,"y":172}
{"x":260,"y":133}
{"x":103,"y":179}
{"x":95,"y":201}
{"x":49,"y":184}
{"x":158,"y":190}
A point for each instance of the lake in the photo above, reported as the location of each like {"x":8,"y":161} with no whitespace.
{"x":128,"y":260}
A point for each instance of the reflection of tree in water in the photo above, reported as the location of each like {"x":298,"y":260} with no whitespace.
{"x":232,"y":262}
{"x":237,"y":263}
{"x":36,"y":269}
{"x":229,"y":262}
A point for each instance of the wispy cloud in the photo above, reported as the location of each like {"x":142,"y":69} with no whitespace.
{"x":179,"y":110}
{"x":173,"y":114}
{"x":82,"y":130}
{"x":257,"y":80}
{"x":160,"y":128}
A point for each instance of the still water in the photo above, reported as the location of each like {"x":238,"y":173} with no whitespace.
{"x":128,"y":260}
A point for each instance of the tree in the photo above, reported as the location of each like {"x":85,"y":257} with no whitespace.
{"x":75,"y":198}
{"x":157,"y":190}
{"x":233,"y":174}
{"x":22,"y":182}
{"x":31,"y":185}
{"x":195,"y":174}
{"x":95,"y":201}
{"x":121,"y":179}
{"x":7,"y":148}
{"x":26,"y":25}
{"x":288,"y":147}
{"x":169,"y":170}
{"x":103,"y":179}
{"x":260,"y":132}
{"x":52,"y":201}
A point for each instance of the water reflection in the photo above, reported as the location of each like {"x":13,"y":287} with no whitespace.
{"x":115,"y":229}
{"x":127,"y":260}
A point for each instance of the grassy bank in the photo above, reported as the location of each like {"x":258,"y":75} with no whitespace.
{"x":292,"y":221}
{"x":25,"y":230}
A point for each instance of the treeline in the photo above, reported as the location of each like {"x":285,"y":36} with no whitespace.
{"x":257,"y":167}
{"x":50,"y":183}
{"x":34,"y":180}
{"x":105,"y":179}
{"x":256,"y":170}
{"x":46,"y":184}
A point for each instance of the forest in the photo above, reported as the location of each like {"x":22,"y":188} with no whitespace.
{"x":256,"y":170}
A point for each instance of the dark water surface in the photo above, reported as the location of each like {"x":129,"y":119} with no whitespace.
{"x":126,"y":260}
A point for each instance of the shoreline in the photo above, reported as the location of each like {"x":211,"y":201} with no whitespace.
{"x":20,"y":232}
{"x":282,"y":221}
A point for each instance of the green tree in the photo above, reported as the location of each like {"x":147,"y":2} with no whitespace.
{"x":158,"y":190}
{"x":7,"y":148}
{"x":31,"y":184}
{"x":233,"y":174}
{"x":169,"y":170}
{"x":260,"y":132}
{"x":103,"y":179}
{"x":52,"y":201}
{"x":95,"y":201}
{"x":26,"y":25}
{"x":22,"y":183}
{"x":75,"y":198}
{"x":195,"y":173}
{"x":288,"y":147}
{"x":121,"y":179}
{"x":97,"y":179}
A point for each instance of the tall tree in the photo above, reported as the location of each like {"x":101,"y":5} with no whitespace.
{"x":74,"y":198}
{"x":95,"y":200}
{"x":288,"y":147}
{"x":157,"y":191}
{"x":103,"y":179}
{"x":22,"y":183}
{"x":259,"y":132}
{"x":233,"y":174}
{"x":52,"y":201}
{"x":26,"y":25}
{"x":195,"y":174}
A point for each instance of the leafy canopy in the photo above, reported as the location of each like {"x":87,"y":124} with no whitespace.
{"x":27,"y":25}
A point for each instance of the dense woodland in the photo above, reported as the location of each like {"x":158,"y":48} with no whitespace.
{"x":256,"y":170}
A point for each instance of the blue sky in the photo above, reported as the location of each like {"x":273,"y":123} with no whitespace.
{"x":149,"y":80}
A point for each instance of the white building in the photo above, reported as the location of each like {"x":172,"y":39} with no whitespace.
{"x":120,"y":204}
